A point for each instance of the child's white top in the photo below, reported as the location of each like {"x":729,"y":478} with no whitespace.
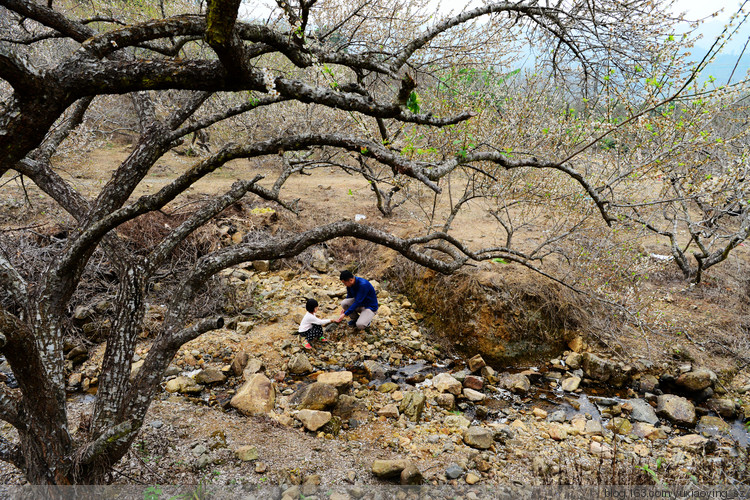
{"x":309,"y":320}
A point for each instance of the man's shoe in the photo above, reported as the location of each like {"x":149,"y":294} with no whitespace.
{"x":352,"y":323}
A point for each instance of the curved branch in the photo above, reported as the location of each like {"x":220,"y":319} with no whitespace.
{"x":107,"y":438}
{"x":18,"y":72}
{"x":9,"y":408}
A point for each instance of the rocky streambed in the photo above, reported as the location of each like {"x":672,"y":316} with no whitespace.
{"x":247,"y":405}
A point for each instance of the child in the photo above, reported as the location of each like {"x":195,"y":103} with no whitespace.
{"x":311,"y":326}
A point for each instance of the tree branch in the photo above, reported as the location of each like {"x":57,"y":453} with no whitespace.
{"x":13,"y":282}
{"x":18,"y":72}
{"x":9,"y":408}
{"x":110,"y":437}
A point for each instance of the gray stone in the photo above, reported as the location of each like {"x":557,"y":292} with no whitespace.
{"x":474,"y":396}
{"x":604,"y":370}
{"x":515,"y":382}
{"x":454,"y":471}
{"x":642,"y":411}
{"x":677,"y":409}
{"x":375,"y":370}
{"x":210,"y":376}
{"x":570,"y":384}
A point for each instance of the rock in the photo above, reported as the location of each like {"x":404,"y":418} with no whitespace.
{"x":313,"y":419}
{"x":476,"y":363}
{"x":340,"y":380}
{"x":260,"y":467}
{"x":576,"y":344}
{"x":444,"y":382}
{"x":262,"y":266}
{"x":474,"y":396}
{"x":257,"y":396}
{"x":539,"y":413}
{"x":573,"y":360}
{"x":471,"y":478}
{"x":474,"y":382}
{"x":697,"y":380}
{"x":723,"y":406}
{"x":172,"y":370}
{"x":239,"y":363}
{"x":183,"y":385}
{"x":387,"y":387}
{"x":135,"y":367}
{"x":603,"y":370}
{"x":489,"y":374}
{"x":642,"y":411}
{"x":456,"y":421}
{"x":246,"y":453}
{"x":389,"y":468}
{"x":412,"y":405}
{"x":411,"y":475}
{"x":712,"y":425}
{"x":389,"y":411}
{"x":593,"y":428}
{"x":648,"y":383}
{"x":557,"y":432}
{"x":315,"y":396}
{"x":601,"y":449}
{"x":210,"y":376}
{"x":254,"y":366}
{"x":690,"y":442}
{"x":244,"y":327}
{"x":648,"y":431}
{"x":299,"y":364}
{"x":478,"y":437}
{"x":375,"y":370}
{"x":384,"y":311}
{"x":319,"y":261}
{"x":454,"y":471}
{"x":570,"y":384}
{"x":675,"y":408}
{"x":517,"y":383}
{"x":620,"y":425}
{"x":446,"y":400}
{"x":348,"y":407}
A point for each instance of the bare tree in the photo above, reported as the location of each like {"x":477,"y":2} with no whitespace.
{"x":354,"y":67}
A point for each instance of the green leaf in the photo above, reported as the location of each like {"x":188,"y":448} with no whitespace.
{"x":499,"y":260}
{"x":412,"y":103}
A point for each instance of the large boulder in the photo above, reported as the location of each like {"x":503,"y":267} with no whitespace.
{"x":257,"y":396}
{"x":675,"y":408}
{"x":605,"y":370}
{"x":316,"y":396}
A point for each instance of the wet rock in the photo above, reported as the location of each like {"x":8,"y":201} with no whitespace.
{"x":183,"y":385}
{"x":313,"y":419}
{"x":570,"y":384}
{"x":299,"y":364}
{"x":446,"y":400}
{"x":172,"y":370}
{"x":712,"y":425}
{"x":340,"y":380}
{"x":517,"y":383}
{"x":478,"y":437}
{"x":620,"y":425}
{"x":677,"y":409}
{"x":723,"y":406}
{"x":315,"y":396}
{"x":697,"y":380}
{"x":474,"y":396}
{"x":476,"y":363}
{"x":412,"y":405}
{"x":444,"y":382}
{"x":389,"y":468}
{"x":642,"y":411}
{"x":257,"y":396}
{"x":246,"y":453}
{"x":604,"y":370}
{"x":210,"y":376}
{"x":387,"y":387}
{"x":557,"y":416}
{"x":375,"y":370}
{"x":690,"y":442}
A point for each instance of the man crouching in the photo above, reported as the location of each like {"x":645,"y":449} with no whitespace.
{"x":361,"y":301}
